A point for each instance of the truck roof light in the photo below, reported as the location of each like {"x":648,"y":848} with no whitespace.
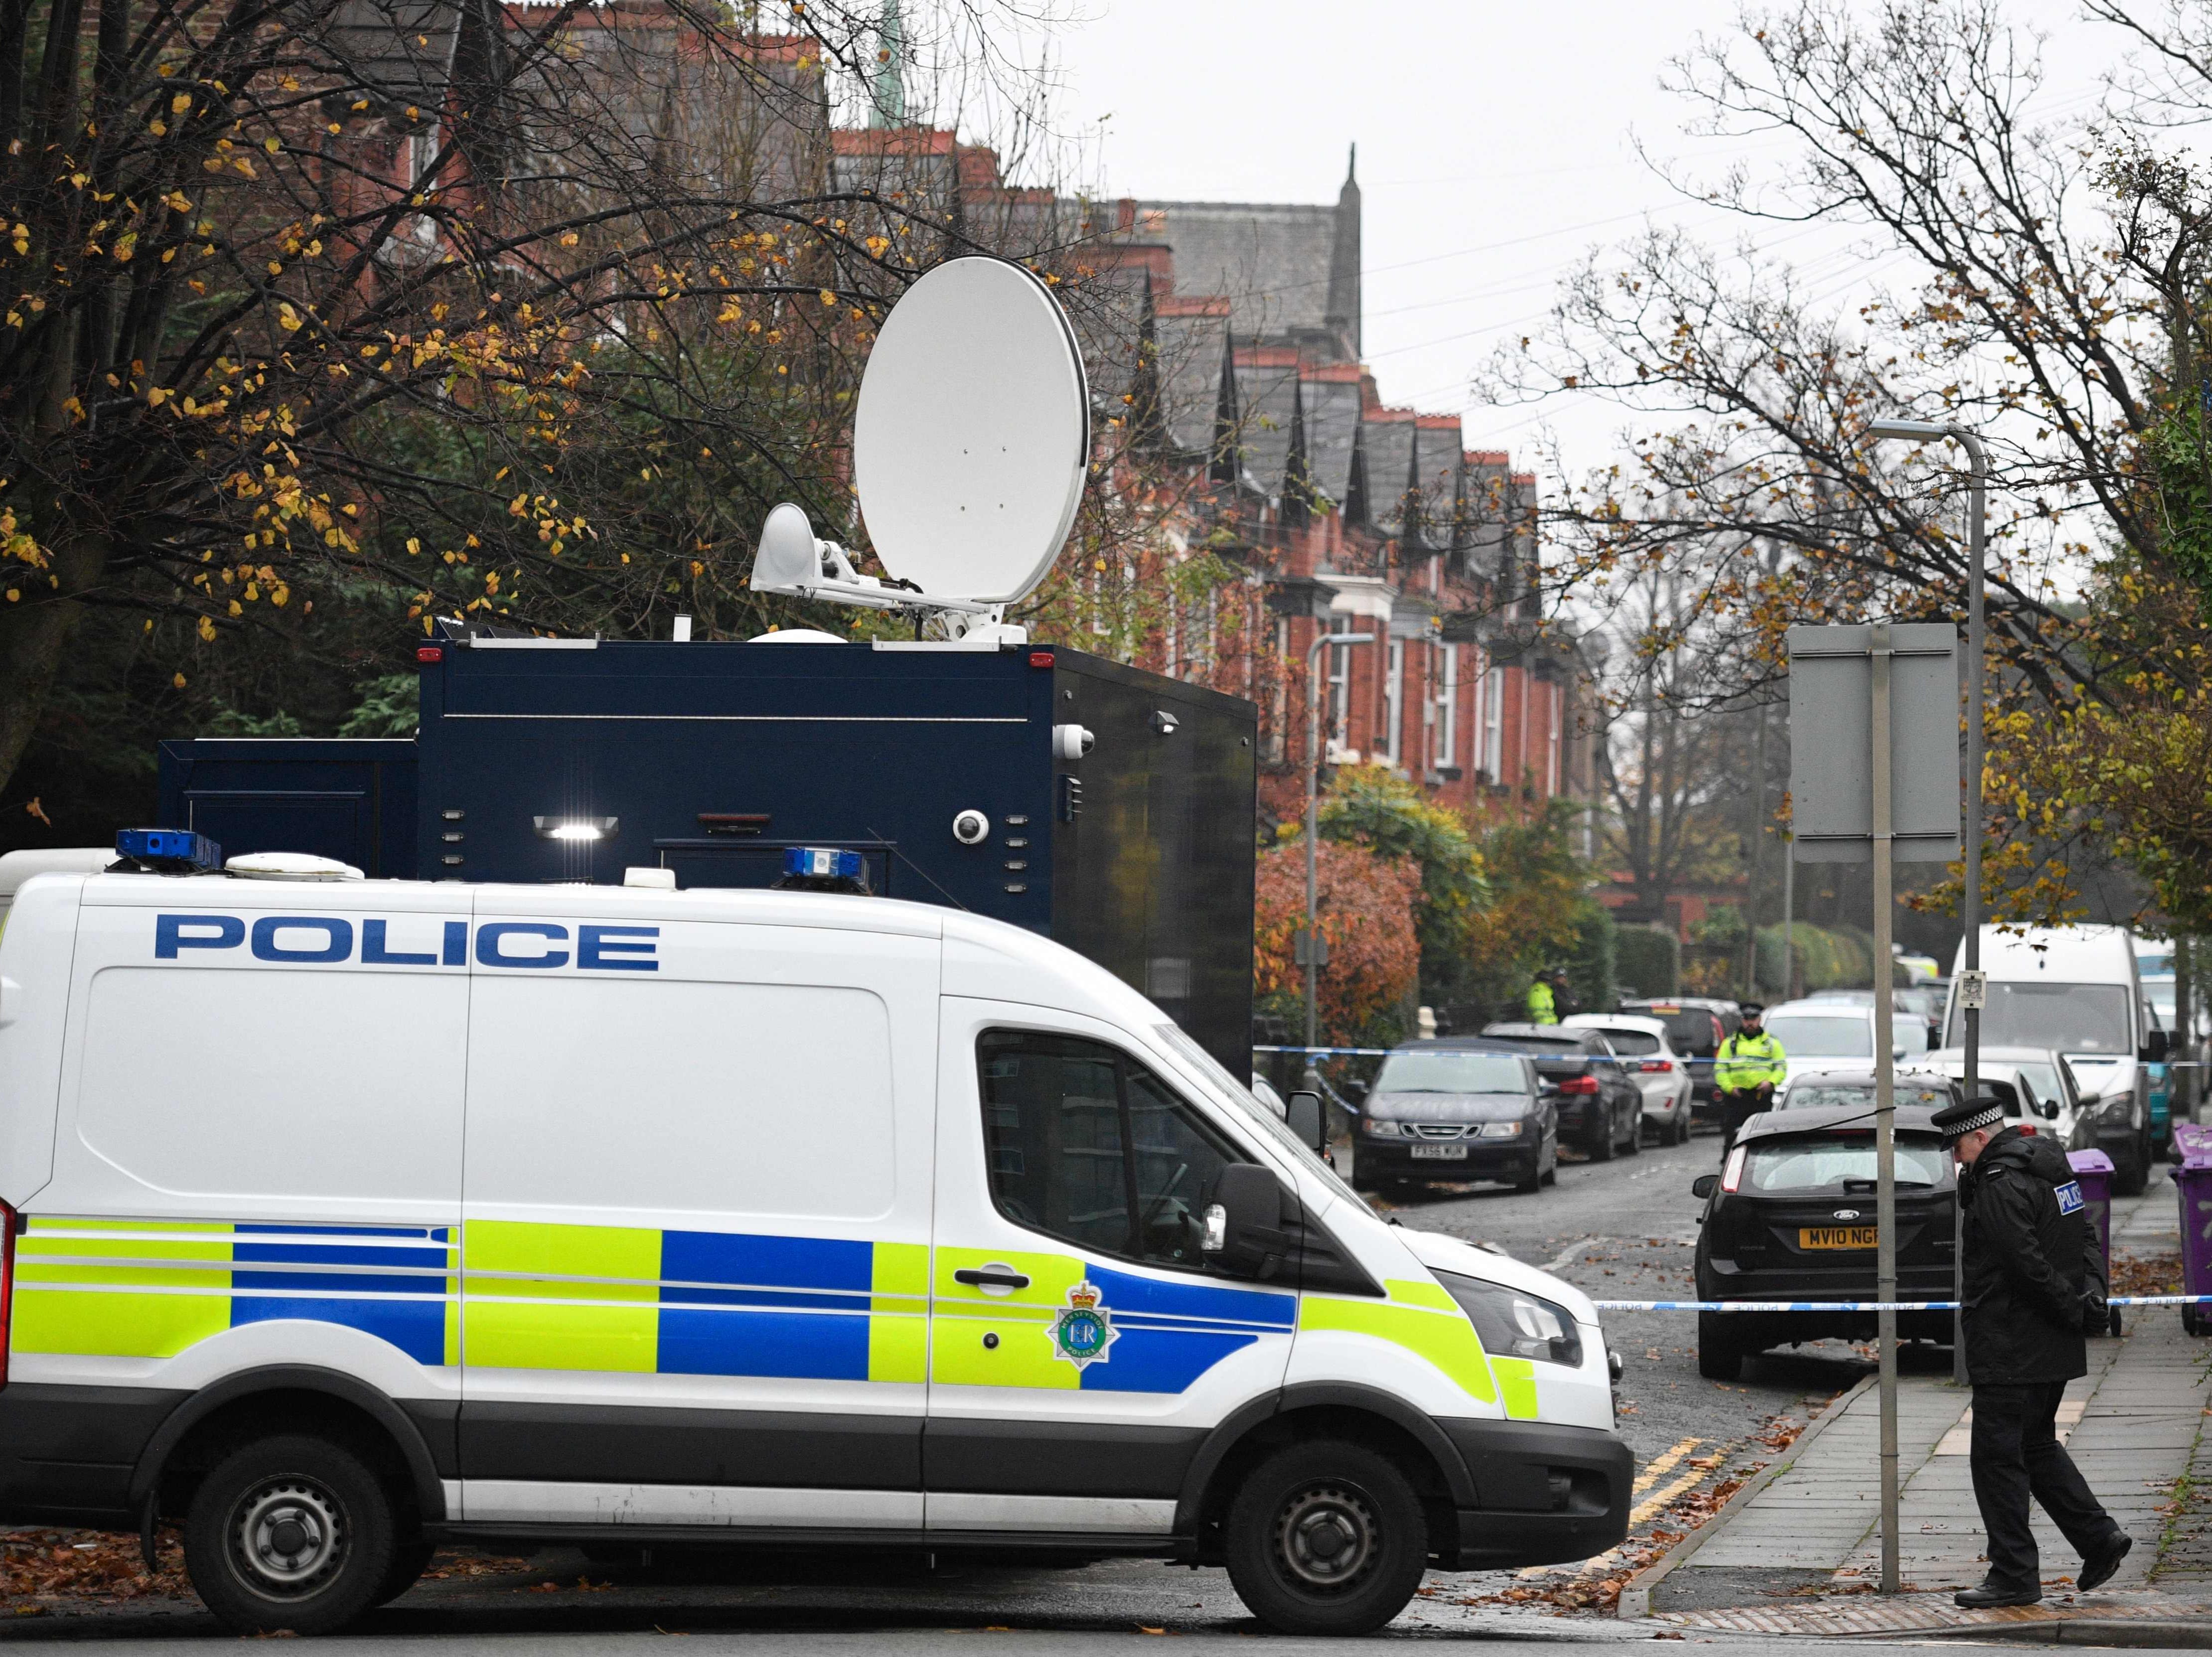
{"x":173,"y":850}
{"x":822,"y":863}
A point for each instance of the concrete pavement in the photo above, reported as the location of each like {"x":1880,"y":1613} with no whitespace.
{"x":1810,"y":1532}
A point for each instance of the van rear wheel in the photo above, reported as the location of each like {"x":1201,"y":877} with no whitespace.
{"x":1325,"y":1538}
{"x":289,"y":1532}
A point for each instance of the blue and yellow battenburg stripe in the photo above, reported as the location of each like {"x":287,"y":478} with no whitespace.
{"x":648,"y":1302}
{"x":152,"y":1288}
{"x":642,"y":1301}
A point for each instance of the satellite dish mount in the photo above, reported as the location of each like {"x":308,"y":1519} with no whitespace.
{"x":971,"y":442}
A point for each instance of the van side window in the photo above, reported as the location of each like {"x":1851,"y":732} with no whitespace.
{"x":1083,"y":1143}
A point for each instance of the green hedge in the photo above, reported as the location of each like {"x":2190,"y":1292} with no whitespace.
{"x":1828,"y":958}
{"x":1648,"y":961}
{"x":1591,"y":967}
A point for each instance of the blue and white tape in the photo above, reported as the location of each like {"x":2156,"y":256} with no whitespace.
{"x":1860,"y":1306}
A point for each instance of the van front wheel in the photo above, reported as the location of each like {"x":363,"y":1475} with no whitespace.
{"x":1325,"y":1538}
{"x":289,"y":1532}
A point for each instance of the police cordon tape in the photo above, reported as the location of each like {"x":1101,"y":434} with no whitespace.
{"x":1860,"y":1306}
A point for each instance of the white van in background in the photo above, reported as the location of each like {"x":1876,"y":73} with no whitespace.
{"x":2075,"y":990}
{"x":16,"y":867}
{"x":344,"y":1218}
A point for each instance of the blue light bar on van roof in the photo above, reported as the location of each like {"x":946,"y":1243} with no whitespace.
{"x":174,"y":847}
{"x":822,"y":863}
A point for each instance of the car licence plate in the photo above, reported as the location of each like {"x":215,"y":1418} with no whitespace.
{"x":1439,"y":1153}
{"x":1837,"y":1236}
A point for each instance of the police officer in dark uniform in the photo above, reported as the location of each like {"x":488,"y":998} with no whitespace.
{"x":2034,"y":1281}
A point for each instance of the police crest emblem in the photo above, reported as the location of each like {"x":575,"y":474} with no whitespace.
{"x":1082,"y":1333}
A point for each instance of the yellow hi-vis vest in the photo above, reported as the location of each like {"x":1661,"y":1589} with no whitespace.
{"x":1542,"y":1010}
{"x":1745,"y":1061}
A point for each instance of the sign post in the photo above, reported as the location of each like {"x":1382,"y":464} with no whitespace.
{"x":1873,"y":763}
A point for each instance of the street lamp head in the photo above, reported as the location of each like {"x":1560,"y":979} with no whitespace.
{"x":1922,"y":430}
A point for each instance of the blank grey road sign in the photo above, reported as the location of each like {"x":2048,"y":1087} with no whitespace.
{"x":1830,"y":742}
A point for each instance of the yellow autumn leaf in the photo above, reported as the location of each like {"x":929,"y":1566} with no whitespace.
{"x":207,"y":629}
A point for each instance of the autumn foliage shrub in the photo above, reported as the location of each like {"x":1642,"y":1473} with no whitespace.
{"x":1365,"y":909}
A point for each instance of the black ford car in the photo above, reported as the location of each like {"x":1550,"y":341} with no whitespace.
{"x":1461,"y":1108}
{"x":1790,"y":1217}
{"x":1601,"y":1105}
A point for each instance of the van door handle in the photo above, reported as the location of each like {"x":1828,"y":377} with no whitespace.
{"x":979,"y":1279}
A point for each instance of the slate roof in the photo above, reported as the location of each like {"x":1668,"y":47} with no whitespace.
{"x":1390,"y":436}
{"x":1189,"y":372}
{"x":1265,"y":395}
{"x":1270,"y":258}
{"x":1332,"y":425}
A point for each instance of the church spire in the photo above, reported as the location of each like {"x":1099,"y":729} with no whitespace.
{"x":1342,"y":314}
{"x":889,"y":93}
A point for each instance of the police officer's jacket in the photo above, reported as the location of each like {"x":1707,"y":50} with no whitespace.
{"x":1745,"y":1060}
{"x":2034,"y":1274}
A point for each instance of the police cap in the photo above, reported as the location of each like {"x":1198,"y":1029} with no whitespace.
{"x":1955,"y":1121}
{"x":1750,"y":1010}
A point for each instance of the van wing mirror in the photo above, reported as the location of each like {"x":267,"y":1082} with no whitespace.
{"x":2050,"y":1109}
{"x":1245,"y":1222}
{"x":1303,"y":1114}
{"x":2156,"y":1046}
{"x":1704,"y":1184}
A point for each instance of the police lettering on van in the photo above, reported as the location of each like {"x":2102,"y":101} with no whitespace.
{"x":627,"y":1216}
{"x":331,"y":939}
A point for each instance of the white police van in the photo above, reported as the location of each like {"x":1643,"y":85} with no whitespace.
{"x":349,"y":1218}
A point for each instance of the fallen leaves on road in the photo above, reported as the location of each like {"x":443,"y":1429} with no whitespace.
{"x":466,"y":1563}
{"x":101,"y":1566}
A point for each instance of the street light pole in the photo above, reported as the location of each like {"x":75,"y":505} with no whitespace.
{"x":1978,"y":473}
{"x":1326,"y":641}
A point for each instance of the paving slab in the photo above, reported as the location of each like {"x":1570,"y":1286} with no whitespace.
{"x":2137,"y":1433}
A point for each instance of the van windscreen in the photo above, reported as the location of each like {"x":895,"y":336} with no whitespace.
{"x":2071,"y":1018}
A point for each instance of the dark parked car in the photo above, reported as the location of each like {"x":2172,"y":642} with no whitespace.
{"x":1790,"y":1217}
{"x":1696,"y":1027}
{"x":1601,"y":1103}
{"x":1462,"y":1108}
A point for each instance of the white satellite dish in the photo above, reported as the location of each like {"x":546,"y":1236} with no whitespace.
{"x":972,"y":433}
{"x":971,"y":443}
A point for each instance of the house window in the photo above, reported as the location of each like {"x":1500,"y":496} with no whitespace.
{"x":1556,"y":700}
{"x":1393,"y":698}
{"x":1494,"y":723}
{"x":1339,"y":682}
{"x":1446,"y":713}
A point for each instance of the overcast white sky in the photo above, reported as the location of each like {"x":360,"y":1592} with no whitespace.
{"x":1495,"y":146}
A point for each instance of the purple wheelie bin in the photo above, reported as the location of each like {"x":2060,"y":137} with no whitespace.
{"x":2192,"y":1143}
{"x":2092,"y":1172}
